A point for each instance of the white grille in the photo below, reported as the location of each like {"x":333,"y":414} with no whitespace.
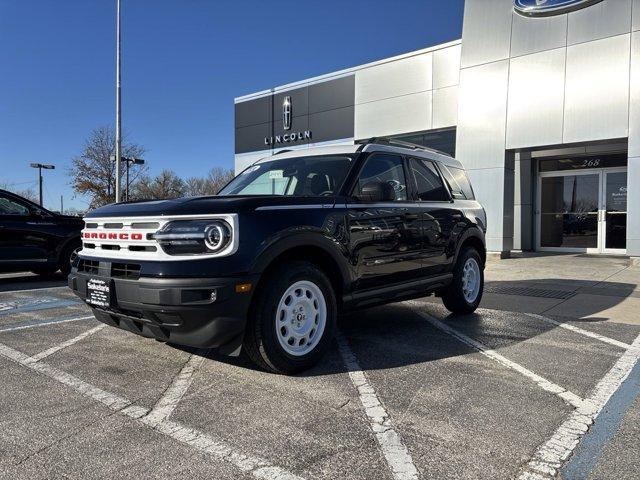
{"x":127,"y":238}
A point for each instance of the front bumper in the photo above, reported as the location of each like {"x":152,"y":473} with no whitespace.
{"x":175,"y":310}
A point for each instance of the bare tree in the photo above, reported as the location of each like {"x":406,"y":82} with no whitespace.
{"x":210,"y":185}
{"x":93,"y":172}
{"x":28,"y":193}
{"x":166,"y":185}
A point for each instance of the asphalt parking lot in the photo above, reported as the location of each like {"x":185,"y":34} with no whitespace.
{"x":514,"y":391}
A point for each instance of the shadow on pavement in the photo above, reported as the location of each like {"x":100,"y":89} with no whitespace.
{"x":580,"y":300}
{"x":29,"y":281}
{"x":396,"y":335}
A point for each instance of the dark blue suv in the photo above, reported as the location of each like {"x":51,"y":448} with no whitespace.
{"x":296,"y":238}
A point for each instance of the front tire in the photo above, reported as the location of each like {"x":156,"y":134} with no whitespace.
{"x":465,"y":292}
{"x":292,"y":320}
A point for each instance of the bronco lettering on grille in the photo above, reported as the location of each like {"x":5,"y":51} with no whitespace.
{"x":112,"y":236}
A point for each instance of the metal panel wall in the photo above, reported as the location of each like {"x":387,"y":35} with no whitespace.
{"x":253,"y":113}
{"x":402,"y":77}
{"x":446,"y":67}
{"x":634,"y":103}
{"x":635,"y":24}
{"x":482,"y":115}
{"x":480,"y":146}
{"x":536,"y":99}
{"x":523,"y":202}
{"x":330,"y":95}
{"x":260,"y":118}
{"x":633,"y":173}
{"x":445,"y":107}
{"x":531,"y":35}
{"x":405,"y":114}
{"x":605,"y":19}
{"x":486,"y":32}
{"x":597,"y":90}
{"x":633,"y":207}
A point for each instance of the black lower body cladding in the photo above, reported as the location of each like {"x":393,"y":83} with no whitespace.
{"x":196,"y":312}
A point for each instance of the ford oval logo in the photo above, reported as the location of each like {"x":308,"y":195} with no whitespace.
{"x":541,"y":8}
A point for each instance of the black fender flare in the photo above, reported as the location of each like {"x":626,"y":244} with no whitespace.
{"x":315,"y":239}
{"x":471,"y":232}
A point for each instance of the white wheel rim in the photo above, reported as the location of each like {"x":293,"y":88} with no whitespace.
{"x":301,"y":317}
{"x":471,"y":280}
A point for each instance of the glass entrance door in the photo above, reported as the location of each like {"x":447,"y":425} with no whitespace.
{"x":583,"y":211}
{"x":614,"y":214}
{"x":569,"y":205}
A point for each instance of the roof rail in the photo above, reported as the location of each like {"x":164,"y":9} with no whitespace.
{"x":282,"y":151}
{"x":397,"y":143}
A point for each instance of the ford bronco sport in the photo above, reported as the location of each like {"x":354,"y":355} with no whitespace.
{"x":267,"y":265}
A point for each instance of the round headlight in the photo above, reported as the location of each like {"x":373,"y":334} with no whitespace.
{"x":217,"y":236}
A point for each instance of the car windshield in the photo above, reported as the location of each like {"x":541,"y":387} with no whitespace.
{"x":297,"y":177}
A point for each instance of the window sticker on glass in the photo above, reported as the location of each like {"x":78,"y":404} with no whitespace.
{"x":274,"y":174}
{"x":252,"y":169}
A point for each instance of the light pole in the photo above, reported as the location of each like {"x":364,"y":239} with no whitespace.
{"x":40,"y":166}
{"x":118,"y":103}
{"x":135,"y":161}
{"x":130,"y":161}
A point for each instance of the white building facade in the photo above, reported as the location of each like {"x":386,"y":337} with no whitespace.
{"x":543,"y":109}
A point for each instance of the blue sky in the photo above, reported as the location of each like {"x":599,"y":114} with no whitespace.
{"x":183,"y":63}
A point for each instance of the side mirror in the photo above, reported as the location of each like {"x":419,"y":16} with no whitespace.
{"x":377,"y":192}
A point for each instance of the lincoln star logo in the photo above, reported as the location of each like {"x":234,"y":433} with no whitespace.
{"x":287,"y":122}
{"x":541,"y":8}
{"x":286,"y":113}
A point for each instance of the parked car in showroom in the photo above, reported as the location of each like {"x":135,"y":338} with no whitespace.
{"x":34,"y":239}
{"x":298,"y":237}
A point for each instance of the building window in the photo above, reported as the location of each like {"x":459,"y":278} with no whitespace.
{"x":441,"y":140}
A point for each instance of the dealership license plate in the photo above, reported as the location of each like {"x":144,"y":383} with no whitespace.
{"x":98,"y":292}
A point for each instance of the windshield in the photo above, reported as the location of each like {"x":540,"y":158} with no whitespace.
{"x":299,"y":177}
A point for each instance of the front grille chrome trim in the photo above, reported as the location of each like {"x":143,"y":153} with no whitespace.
{"x":145,"y":246}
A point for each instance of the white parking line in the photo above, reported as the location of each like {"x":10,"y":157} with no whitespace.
{"x":41,"y":323}
{"x":68,"y":343}
{"x":395,"y":452}
{"x":547,"y":385}
{"x":201,"y":441}
{"x":550,"y":456}
{"x":168,"y":402}
{"x":109,"y":399}
{"x":581,"y":331}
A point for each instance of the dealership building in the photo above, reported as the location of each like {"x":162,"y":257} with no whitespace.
{"x":540,"y":100}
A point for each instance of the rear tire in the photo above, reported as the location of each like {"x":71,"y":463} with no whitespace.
{"x":292,"y":319}
{"x":69,"y":254}
{"x":465,"y":292}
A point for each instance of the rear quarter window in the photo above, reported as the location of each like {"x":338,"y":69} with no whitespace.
{"x":458,"y":182}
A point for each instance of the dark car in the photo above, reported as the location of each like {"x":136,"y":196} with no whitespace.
{"x":35,"y":239}
{"x":268,"y":264}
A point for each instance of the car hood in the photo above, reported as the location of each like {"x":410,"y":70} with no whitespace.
{"x":201,"y":205}
{"x":69,"y":220}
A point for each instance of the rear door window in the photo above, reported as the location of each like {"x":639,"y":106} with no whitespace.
{"x":458,"y":182}
{"x":428,"y":184}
